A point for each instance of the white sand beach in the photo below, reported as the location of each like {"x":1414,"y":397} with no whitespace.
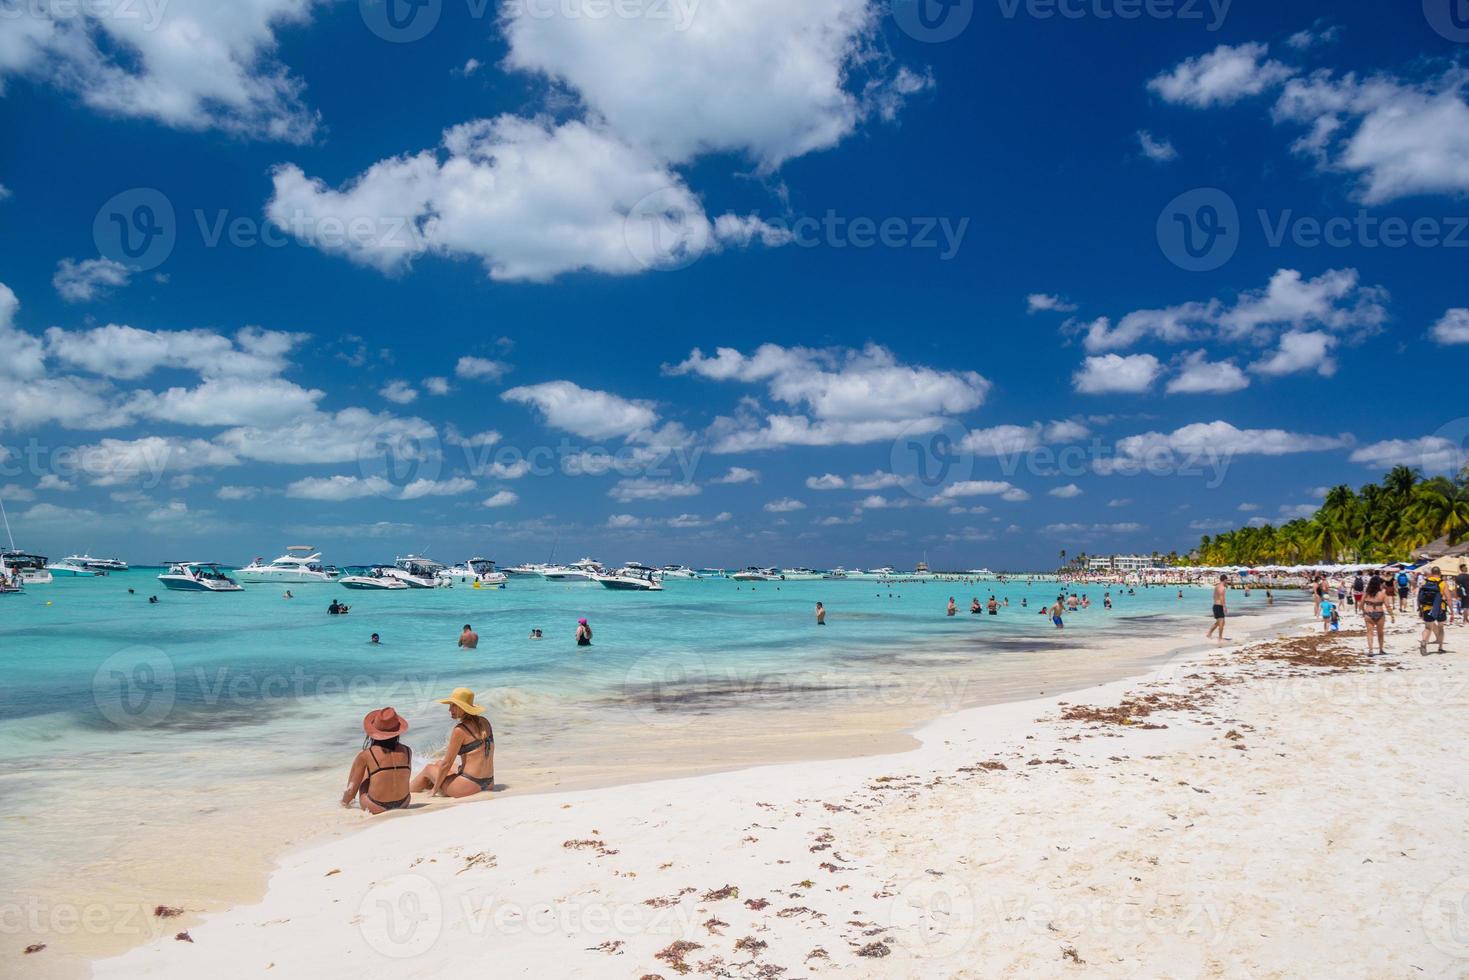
{"x":1276,"y":809}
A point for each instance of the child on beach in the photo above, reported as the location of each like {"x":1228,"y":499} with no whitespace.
{"x":1328,"y":614}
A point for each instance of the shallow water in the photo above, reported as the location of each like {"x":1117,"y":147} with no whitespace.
{"x":164,"y":753}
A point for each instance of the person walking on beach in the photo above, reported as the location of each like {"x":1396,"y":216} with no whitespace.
{"x":1057,"y":611}
{"x":1220,"y":592}
{"x":379,"y":774}
{"x":820,"y":614}
{"x":1402,"y":590}
{"x":1376,"y":606}
{"x":1461,"y":582}
{"x":472,"y":742}
{"x":1433,"y":606}
{"x":468,"y":639}
{"x":583,"y":633}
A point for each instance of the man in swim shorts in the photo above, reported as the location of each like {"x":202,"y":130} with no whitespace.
{"x":1219,"y":609}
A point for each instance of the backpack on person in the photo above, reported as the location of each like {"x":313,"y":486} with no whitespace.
{"x":1430,"y":599}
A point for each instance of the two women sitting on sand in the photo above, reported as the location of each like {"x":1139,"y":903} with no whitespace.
{"x":379,"y":774}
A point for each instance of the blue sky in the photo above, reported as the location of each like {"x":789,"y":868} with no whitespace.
{"x":721,"y":282}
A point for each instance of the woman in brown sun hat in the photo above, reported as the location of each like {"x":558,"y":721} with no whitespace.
{"x":472,"y":741}
{"x":379,"y":775}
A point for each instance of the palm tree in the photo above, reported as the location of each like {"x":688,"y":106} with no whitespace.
{"x":1438,"y":509}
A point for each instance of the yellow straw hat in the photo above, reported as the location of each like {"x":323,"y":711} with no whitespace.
{"x":464,"y":698}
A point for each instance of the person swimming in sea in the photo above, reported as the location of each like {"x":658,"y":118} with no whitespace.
{"x":952,"y":609}
{"x":820,"y":614}
{"x":472,"y":742}
{"x":468,"y":639}
{"x":583,"y":633}
{"x":374,"y":639}
{"x":379,"y":774}
{"x":974,"y":606}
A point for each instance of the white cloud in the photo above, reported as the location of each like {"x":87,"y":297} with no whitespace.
{"x":399,"y":392}
{"x":1317,"y":34}
{"x":1112,"y":373}
{"x":1222,"y":77}
{"x":1157,"y":150}
{"x":853,"y":396}
{"x":1291,"y":512}
{"x":642,"y":488}
{"x":1212,"y":441}
{"x":227,"y":401}
{"x":738,"y":474}
{"x":339,"y":488}
{"x":4,"y":192}
{"x":479,"y":440}
{"x":437,"y":386}
{"x":530,"y":199}
{"x":82,"y":282}
{"x":877,"y":480}
{"x":585,"y":412}
{"x":436,"y":488}
{"x":480,"y":368}
{"x":1010,"y":440}
{"x":22,"y":356}
{"x":112,"y":462}
{"x":350,"y":435}
{"x":188,"y":64}
{"x":504,"y":498}
{"x":498,"y":470}
{"x":1119,"y":502}
{"x":237,"y":493}
{"x":1045,"y":302}
{"x":1065,"y":492}
{"x":984,"y":488}
{"x":469,"y":68}
{"x":829,"y":481}
{"x":1248,"y":508}
{"x":785,"y":505}
{"x":51,"y":481}
{"x":1298,"y":351}
{"x":726,"y":81}
{"x":1453,"y":328}
{"x":1092,"y":529}
{"x":1198,"y":375}
{"x":1434,"y":454}
{"x":127,"y":353}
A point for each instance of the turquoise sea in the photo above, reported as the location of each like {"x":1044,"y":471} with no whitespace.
{"x":137,"y":733}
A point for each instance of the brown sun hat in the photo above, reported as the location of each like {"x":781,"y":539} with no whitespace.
{"x":384,"y":723}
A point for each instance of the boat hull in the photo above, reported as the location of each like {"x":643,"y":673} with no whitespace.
{"x":179,"y":583}
{"x":362,"y":584}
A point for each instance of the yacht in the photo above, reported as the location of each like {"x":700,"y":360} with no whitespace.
{"x":374,"y":577}
{"x":754,"y":574}
{"x":198,"y":576}
{"x":97,"y":564}
{"x":836,"y":573}
{"x":632,"y":577}
{"x":678,"y":571}
{"x":799,"y":575}
{"x":298,"y":566}
{"x":578,"y":571}
{"x":481,"y":572}
{"x":30,"y":569}
{"x":65,"y":569}
{"x":526,"y":569}
{"x":713,"y":573}
{"x":416,"y":572}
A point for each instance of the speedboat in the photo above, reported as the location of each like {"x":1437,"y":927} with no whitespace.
{"x":97,"y":564}
{"x":578,"y":571}
{"x":836,"y":573}
{"x":480,"y":572}
{"x":30,"y":569}
{"x":754,"y":574}
{"x":298,"y":566}
{"x":632,"y":577}
{"x":374,"y":577}
{"x":66,"y":569}
{"x":713,"y":573}
{"x":198,"y":576}
{"x":678,"y":571}
{"x":800,"y":575}
{"x":416,"y":572}
{"x":525,"y":569}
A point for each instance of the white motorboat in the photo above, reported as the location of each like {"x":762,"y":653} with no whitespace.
{"x":97,"y":564}
{"x":416,"y":572}
{"x":677,"y":571}
{"x":632,"y":577}
{"x":800,"y":575}
{"x":65,"y":569}
{"x":578,"y":571}
{"x":29,"y":569}
{"x":298,"y":566}
{"x":525,"y":569}
{"x":713,"y":573}
{"x":374,"y":578}
{"x":754,"y":574}
{"x":836,"y":574}
{"x":198,"y":576}
{"x":479,"y":573}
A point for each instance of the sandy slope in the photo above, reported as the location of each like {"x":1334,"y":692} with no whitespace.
{"x":1291,"y":819}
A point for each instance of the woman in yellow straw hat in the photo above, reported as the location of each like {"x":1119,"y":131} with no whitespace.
{"x":472,"y":740}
